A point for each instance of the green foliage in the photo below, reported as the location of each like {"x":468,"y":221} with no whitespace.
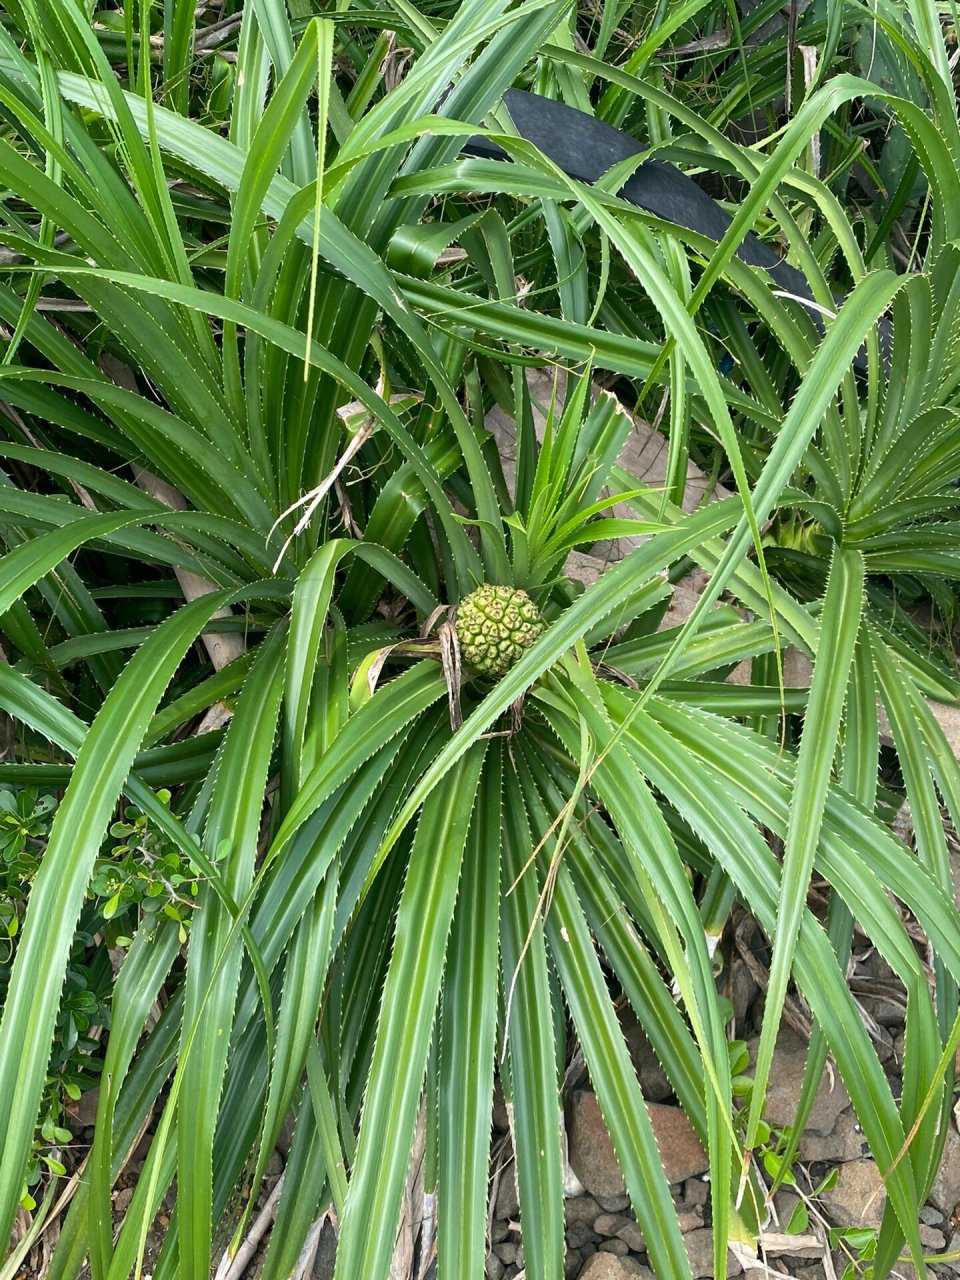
{"x":25,"y":818}
{"x":258,"y":318}
{"x":860,"y":1245}
{"x":144,"y":869}
{"x":141,"y":869}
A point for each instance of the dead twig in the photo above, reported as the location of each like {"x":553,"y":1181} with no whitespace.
{"x":233,"y":1269}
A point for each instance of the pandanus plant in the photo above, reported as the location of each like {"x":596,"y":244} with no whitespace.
{"x":312,"y":311}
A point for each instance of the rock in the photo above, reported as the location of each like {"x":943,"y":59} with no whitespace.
{"x":786,"y":1079}
{"x":622,"y":1228}
{"x":784,"y":1203}
{"x":797,"y":673}
{"x":499,"y":1230}
{"x":696,"y":1191}
{"x":285,"y":1136}
{"x":945,"y":1192}
{"x":582,"y":1209}
{"x":608,"y":1224}
{"x":883,"y":1043}
{"x":932,"y":1239}
{"x":327,"y":1253}
{"x":632,"y":1236}
{"x":931,"y":1216}
{"x":591,"y":1151}
{"x":508,"y":1253}
{"x":653,"y":1079}
{"x":845,"y":1143}
{"x":680,"y":1149}
{"x":493,"y":1267}
{"x":592,"y":1155}
{"x":274,"y":1166}
{"x":122,"y":1200}
{"x":83,"y":1112}
{"x":607,"y":1266}
{"x":690,"y":1217}
{"x":501,"y":1117}
{"x":613,"y":1204}
{"x":953,"y":1246}
{"x":571,"y":1264}
{"x":858,"y":1198}
{"x":699,"y":1246}
{"x":507,"y":1203}
{"x":579,"y":1235}
{"x":618,"y":1247}
{"x":743,"y":994}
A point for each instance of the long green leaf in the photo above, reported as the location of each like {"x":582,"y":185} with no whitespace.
{"x":468,"y":1041}
{"x":231,"y":837}
{"x":408,"y":1011}
{"x":821,"y":728}
{"x":103,"y":763}
{"x":528,"y":1029}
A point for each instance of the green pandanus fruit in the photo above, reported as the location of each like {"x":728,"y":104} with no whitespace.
{"x":494,"y":626}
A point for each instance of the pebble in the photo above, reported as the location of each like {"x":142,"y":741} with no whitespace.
{"x":493,"y":1267}
{"x":953,"y":1246}
{"x":815,"y":1272}
{"x":786,"y":1081}
{"x":608,"y":1224}
{"x":784,"y":1202}
{"x":632,"y":1236}
{"x":699,"y":1246}
{"x":858,"y":1197}
{"x":593,"y":1159}
{"x":696,"y":1191}
{"x":846,"y":1142}
{"x":327,"y":1253}
{"x":285,"y":1136}
{"x":653,"y":1079}
{"x":680,"y":1149}
{"x":618,"y":1247}
{"x":743,"y":994}
{"x":501,"y":1117}
{"x":603,"y":1240}
{"x":945,"y":1192}
{"x":623,"y":1228}
{"x":83,"y":1113}
{"x":582,"y":1209}
{"x":507,"y":1203}
{"x":690,"y":1217}
{"x":580,"y":1234}
{"x":613,"y":1204}
{"x":606,"y":1266}
{"x":121,"y":1201}
{"x":933,"y":1239}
